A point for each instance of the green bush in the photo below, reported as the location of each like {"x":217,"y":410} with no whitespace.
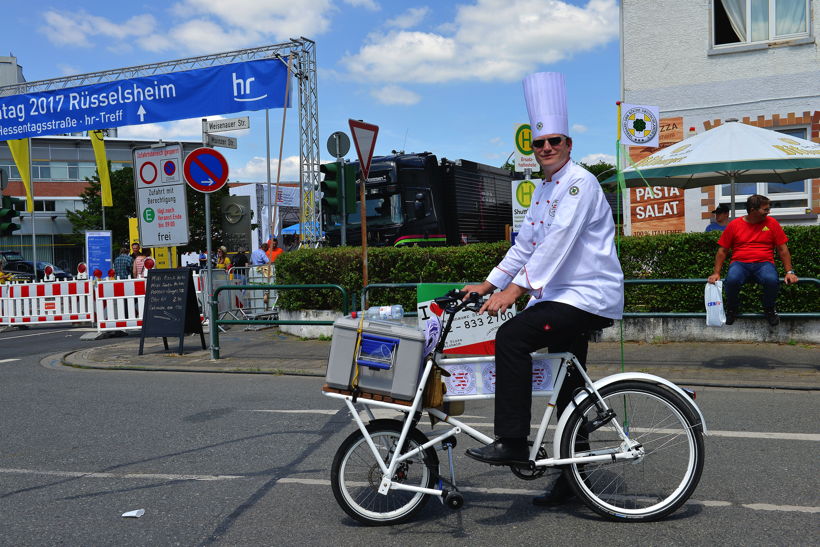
{"x":672,"y":256}
{"x":692,"y":256}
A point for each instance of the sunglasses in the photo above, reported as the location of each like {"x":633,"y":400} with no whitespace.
{"x":554,"y":141}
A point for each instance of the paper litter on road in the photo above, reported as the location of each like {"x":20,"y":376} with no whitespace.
{"x":136,"y":513}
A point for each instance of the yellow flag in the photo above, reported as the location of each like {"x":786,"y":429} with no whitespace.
{"x":102,"y":166}
{"x":20,"y":152}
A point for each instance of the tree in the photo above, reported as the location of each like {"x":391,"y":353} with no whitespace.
{"x":125,"y":207}
{"x":602,"y":171}
{"x":116,"y":217}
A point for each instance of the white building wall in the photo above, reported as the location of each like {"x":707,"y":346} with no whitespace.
{"x":669,"y":62}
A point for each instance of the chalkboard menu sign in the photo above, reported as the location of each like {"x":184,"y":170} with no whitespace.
{"x":171,"y":308}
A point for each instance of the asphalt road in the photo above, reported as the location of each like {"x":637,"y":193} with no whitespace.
{"x":244,"y":460}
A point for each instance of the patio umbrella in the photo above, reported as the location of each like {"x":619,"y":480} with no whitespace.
{"x":730,"y":153}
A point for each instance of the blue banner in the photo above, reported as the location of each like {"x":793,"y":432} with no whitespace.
{"x":225,"y":89}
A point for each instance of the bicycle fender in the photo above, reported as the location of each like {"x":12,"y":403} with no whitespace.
{"x":623,"y":377}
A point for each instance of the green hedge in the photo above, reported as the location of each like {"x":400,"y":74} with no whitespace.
{"x":673,"y":256}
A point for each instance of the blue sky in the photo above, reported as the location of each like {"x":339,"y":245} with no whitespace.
{"x":442,"y":76}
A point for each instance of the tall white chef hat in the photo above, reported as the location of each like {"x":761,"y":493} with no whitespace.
{"x":546,"y":96}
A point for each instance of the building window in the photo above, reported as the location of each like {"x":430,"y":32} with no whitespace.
{"x":44,"y":205}
{"x":789,"y":198}
{"x":755,"y":21}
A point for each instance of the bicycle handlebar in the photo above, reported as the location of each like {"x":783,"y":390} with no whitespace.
{"x":453,"y":301}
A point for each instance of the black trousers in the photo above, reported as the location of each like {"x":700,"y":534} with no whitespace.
{"x":554,"y":325}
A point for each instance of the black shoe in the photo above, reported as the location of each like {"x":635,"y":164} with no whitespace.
{"x":772,"y":317}
{"x":731,"y":315}
{"x":504,"y":451}
{"x":559,"y":494}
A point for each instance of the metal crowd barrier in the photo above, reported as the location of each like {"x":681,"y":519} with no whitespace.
{"x":787,"y":315}
{"x":215,"y":326}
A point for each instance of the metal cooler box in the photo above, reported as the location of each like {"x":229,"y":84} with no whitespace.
{"x":389,"y":358}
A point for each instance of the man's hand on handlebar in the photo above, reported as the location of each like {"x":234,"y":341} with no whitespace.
{"x":481,"y":289}
{"x":499,"y":301}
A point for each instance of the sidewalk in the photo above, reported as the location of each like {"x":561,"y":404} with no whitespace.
{"x":268,"y":351}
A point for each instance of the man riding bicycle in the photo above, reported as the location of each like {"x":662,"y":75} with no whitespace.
{"x":564,"y":258}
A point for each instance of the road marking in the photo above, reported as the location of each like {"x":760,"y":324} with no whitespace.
{"x":93,"y":475}
{"x":787,"y":508}
{"x":37,"y":334}
{"x":8,"y":360}
{"x":527,"y":492}
{"x":387,"y":413}
{"x":712,"y":433}
{"x":325,"y":482}
{"x":314,"y":411}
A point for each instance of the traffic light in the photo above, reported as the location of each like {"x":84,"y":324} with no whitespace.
{"x":331,"y":188}
{"x":7,"y":214}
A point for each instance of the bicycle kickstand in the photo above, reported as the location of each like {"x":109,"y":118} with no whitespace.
{"x":451,"y":497}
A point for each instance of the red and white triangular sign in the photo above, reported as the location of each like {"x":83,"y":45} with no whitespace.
{"x":364,"y":137}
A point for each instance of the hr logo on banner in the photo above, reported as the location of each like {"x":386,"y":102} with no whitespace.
{"x":243,"y":87}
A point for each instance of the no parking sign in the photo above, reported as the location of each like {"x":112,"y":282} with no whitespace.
{"x":205,"y":170}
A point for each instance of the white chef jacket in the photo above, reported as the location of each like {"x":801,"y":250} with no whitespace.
{"x":565,"y":248}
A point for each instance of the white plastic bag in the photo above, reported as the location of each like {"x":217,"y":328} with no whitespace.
{"x":713,"y":298}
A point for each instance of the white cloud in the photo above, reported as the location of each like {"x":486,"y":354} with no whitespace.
{"x":578,"y":128}
{"x":190,"y":129}
{"x":76,"y":28}
{"x":204,"y":36}
{"x":409,"y":18}
{"x":489,"y":40}
{"x":68,"y":70}
{"x":393,"y":94}
{"x":369,"y":4}
{"x":592,"y":159}
{"x":216,"y":26}
{"x":254,"y":170}
{"x":250,"y":22}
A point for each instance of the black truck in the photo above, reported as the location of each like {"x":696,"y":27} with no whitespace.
{"x":413,"y":199}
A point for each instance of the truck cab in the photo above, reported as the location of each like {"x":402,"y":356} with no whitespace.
{"x":403,"y":204}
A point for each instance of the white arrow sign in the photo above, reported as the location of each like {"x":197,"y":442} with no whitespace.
{"x":141,"y":113}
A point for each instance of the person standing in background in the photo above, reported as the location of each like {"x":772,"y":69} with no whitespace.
{"x":260,"y":256}
{"x":139,"y":263}
{"x":123,"y":264}
{"x":274,"y":250}
{"x":721,"y":219}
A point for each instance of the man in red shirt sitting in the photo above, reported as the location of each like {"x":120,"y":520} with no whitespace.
{"x":752,"y":240}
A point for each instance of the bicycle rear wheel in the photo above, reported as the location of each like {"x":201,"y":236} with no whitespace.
{"x":356,"y":475}
{"x":655,"y":484}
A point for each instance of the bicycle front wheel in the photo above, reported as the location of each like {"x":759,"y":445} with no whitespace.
{"x":356,"y":475}
{"x":653,"y":485}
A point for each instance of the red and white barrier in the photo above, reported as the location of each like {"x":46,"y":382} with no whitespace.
{"x":119,"y":304}
{"x":113,"y":304}
{"x":54,"y":302}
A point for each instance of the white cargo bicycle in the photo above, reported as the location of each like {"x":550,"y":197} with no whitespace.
{"x":631,"y":444}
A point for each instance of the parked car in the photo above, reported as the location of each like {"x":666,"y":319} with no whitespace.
{"x":6,"y":256}
{"x":24,"y":270}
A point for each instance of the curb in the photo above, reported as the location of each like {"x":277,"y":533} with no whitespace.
{"x":66,"y":360}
